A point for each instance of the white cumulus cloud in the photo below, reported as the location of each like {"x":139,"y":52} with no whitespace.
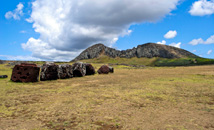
{"x":171,"y":34}
{"x":210,"y":40}
{"x":15,"y":14}
{"x":163,"y":42}
{"x":202,"y":7}
{"x":209,"y":52}
{"x":44,"y":51}
{"x":66,"y":27}
{"x":178,"y":45}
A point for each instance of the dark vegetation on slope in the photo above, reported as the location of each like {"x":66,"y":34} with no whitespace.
{"x":184,"y":62}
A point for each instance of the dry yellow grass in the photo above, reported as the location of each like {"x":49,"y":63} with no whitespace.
{"x":175,"y":98}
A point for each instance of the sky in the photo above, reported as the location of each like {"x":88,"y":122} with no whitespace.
{"x":59,"y":31}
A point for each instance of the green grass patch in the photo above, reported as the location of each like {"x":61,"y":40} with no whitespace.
{"x":128,"y":61}
{"x":155,"y":61}
{"x":184,"y":62}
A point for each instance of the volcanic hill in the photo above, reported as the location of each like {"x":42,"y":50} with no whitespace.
{"x":148,"y":50}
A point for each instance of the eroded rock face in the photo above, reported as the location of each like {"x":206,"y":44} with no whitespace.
{"x":25,"y":73}
{"x":90,"y":69}
{"x":148,"y":50}
{"x":65,"y":71}
{"x":1,"y":62}
{"x":104,"y":69}
{"x":49,"y":72}
{"x":111,"y":69}
{"x":16,"y":63}
{"x":79,"y":69}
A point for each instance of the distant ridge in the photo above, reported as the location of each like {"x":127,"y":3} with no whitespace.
{"x":148,"y":50}
{"x":1,"y":62}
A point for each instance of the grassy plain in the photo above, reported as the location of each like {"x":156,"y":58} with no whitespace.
{"x":153,"y":98}
{"x":155,"y":61}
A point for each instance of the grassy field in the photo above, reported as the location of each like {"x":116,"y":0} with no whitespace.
{"x":171,"y":98}
{"x":155,"y":61}
{"x":128,"y":61}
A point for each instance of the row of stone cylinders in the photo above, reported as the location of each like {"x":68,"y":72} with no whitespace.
{"x":30,"y":72}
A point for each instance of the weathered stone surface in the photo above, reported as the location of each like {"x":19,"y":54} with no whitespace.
{"x":148,"y":50}
{"x":17,"y":63}
{"x":65,"y":71}
{"x":104,"y":69}
{"x":90,"y":69}
{"x":25,"y":73}
{"x":3,"y":76}
{"x":1,"y":62}
{"x":49,"y":72}
{"x":111,"y":69}
{"x":79,"y":69}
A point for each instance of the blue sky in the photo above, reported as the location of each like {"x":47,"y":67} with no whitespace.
{"x":39,"y":30}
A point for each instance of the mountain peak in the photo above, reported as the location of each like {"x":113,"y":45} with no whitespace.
{"x":148,"y":50}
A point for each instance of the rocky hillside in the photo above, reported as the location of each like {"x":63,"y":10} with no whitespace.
{"x":148,"y":50}
{"x":1,"y":62}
